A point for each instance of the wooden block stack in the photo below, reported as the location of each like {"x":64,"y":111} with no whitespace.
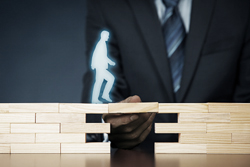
{"x":62,"y":128}
{"x":207,"y":128}
{"x":50,"y":128}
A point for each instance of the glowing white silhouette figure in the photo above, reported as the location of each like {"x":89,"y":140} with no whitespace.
{"x":100,"y":62}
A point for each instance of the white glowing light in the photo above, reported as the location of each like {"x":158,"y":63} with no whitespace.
{"x":100,"y":63}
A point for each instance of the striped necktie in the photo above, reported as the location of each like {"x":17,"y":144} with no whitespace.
{"x":174,"y":34}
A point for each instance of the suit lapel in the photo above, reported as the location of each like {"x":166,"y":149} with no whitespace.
{"x":147,"y":19}
{"x":200,"y":20}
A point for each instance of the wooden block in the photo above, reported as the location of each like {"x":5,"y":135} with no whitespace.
{"x":228,"y":128}
{"x":35,"y":128}
{"x":17,"y":118}
{"x":133,"y":107}
{"x":35,"y":148}
{"x":203,"y":117}
{"x":4,"y":148}
{"x":183,"y":108}
{"x":243,"y":138}
{"x":85,"y":128}
{"x":240,"y":118}
{"x":83,"y":108}
{"x":211,"y":138}
{"x":33,"y":107}
{"x":180,"y":148}
{"x":229,"y":107}
{"x":103,"y":147}
{"x":60,"y":138}
{"x":60,"y":118}
{"x":228,"y":148}
{"x":180,"y":128}
{"x":4,"y":107}
{"x":4,"y":128}
{"x":17,"y":138}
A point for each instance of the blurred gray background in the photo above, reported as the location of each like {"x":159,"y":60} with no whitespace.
{"x":41,"y":50}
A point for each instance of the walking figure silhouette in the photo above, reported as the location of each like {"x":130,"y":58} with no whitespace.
{"x":100,"y":63}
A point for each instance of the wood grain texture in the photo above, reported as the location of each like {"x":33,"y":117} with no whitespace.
{"x":228,"y":128}
{"x":4,"y":107}
{"x":240,"y":118}
{"x":4,"y":148}
{"x":17,"y":118}
{"x":60,"y":138}
{"x":35,"y":148}
{"x":207,"y":138}
{"x":35,"y":128}
{"x":180,"y":128}
{"x":228,"y":148}
{"x":17,"y":138}
{"x":85,"y":128}
{"x":60,"y":118}
{"x":180,"y":148}
{"x":203,"y":117}
{"x":4,"y":128}
{"x":86,"y":148}
{"x":83,"y":108}
{"x":183,"y":108}
{"x":229,"y":107}
{"x":133,"y":107}
{"x":33,"y":107}
{"x":243,"y":138}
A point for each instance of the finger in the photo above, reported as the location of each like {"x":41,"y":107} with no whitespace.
{"x":132,"y":99}
{"x":128,"y":127}
{"x":133,"y":135}
{"x":119,"y":120}
{"x":129,"y":144}
{"x":134,"y":143}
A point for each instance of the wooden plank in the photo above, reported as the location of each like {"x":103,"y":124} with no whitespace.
{"x":203,"y":117}
{"x":60,"y":118}
{"x":228,"y":128}
{"x":243,"y":138}
{"x":180,"y":148}
{"x":228,"y":148}
{"x":240,"y":118}
{"x":180,"y":128}
{"x":103,"y":147}
{"x":85,"y":128}
{"x":183,"y":108}
{"x":4,"y":148}
{"x":83,"y":108}
{"x":4,"y":128}
{"x":35,"y":128}
{"x":4,"y":107}
{"x":133,"y":107}
{"x":60,"y":138}
{"x":17,"y":138}
{"x":33,"y":107}
{"x":17,"y":118}
{"x":229,"y":107}
{"x":211,"y":138}
{"x":35,"y":148}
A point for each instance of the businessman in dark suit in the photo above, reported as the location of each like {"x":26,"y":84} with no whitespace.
{"x":216,"y":66}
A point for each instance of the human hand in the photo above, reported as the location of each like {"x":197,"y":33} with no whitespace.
{"x":129,"y":130}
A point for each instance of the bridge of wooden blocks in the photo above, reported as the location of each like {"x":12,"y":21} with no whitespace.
{"x":61,"y":127}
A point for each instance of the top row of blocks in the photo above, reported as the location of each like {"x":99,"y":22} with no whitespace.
{"x":123,"y":108}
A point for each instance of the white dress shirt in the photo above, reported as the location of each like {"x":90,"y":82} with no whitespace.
{"x":184,"y":6}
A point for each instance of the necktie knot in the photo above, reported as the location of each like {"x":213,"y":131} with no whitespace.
{"x":170,"y":3}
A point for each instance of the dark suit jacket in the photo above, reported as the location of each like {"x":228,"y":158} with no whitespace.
{"x":217,"y":52}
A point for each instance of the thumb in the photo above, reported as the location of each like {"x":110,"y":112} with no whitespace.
{"x":132,"y":99}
